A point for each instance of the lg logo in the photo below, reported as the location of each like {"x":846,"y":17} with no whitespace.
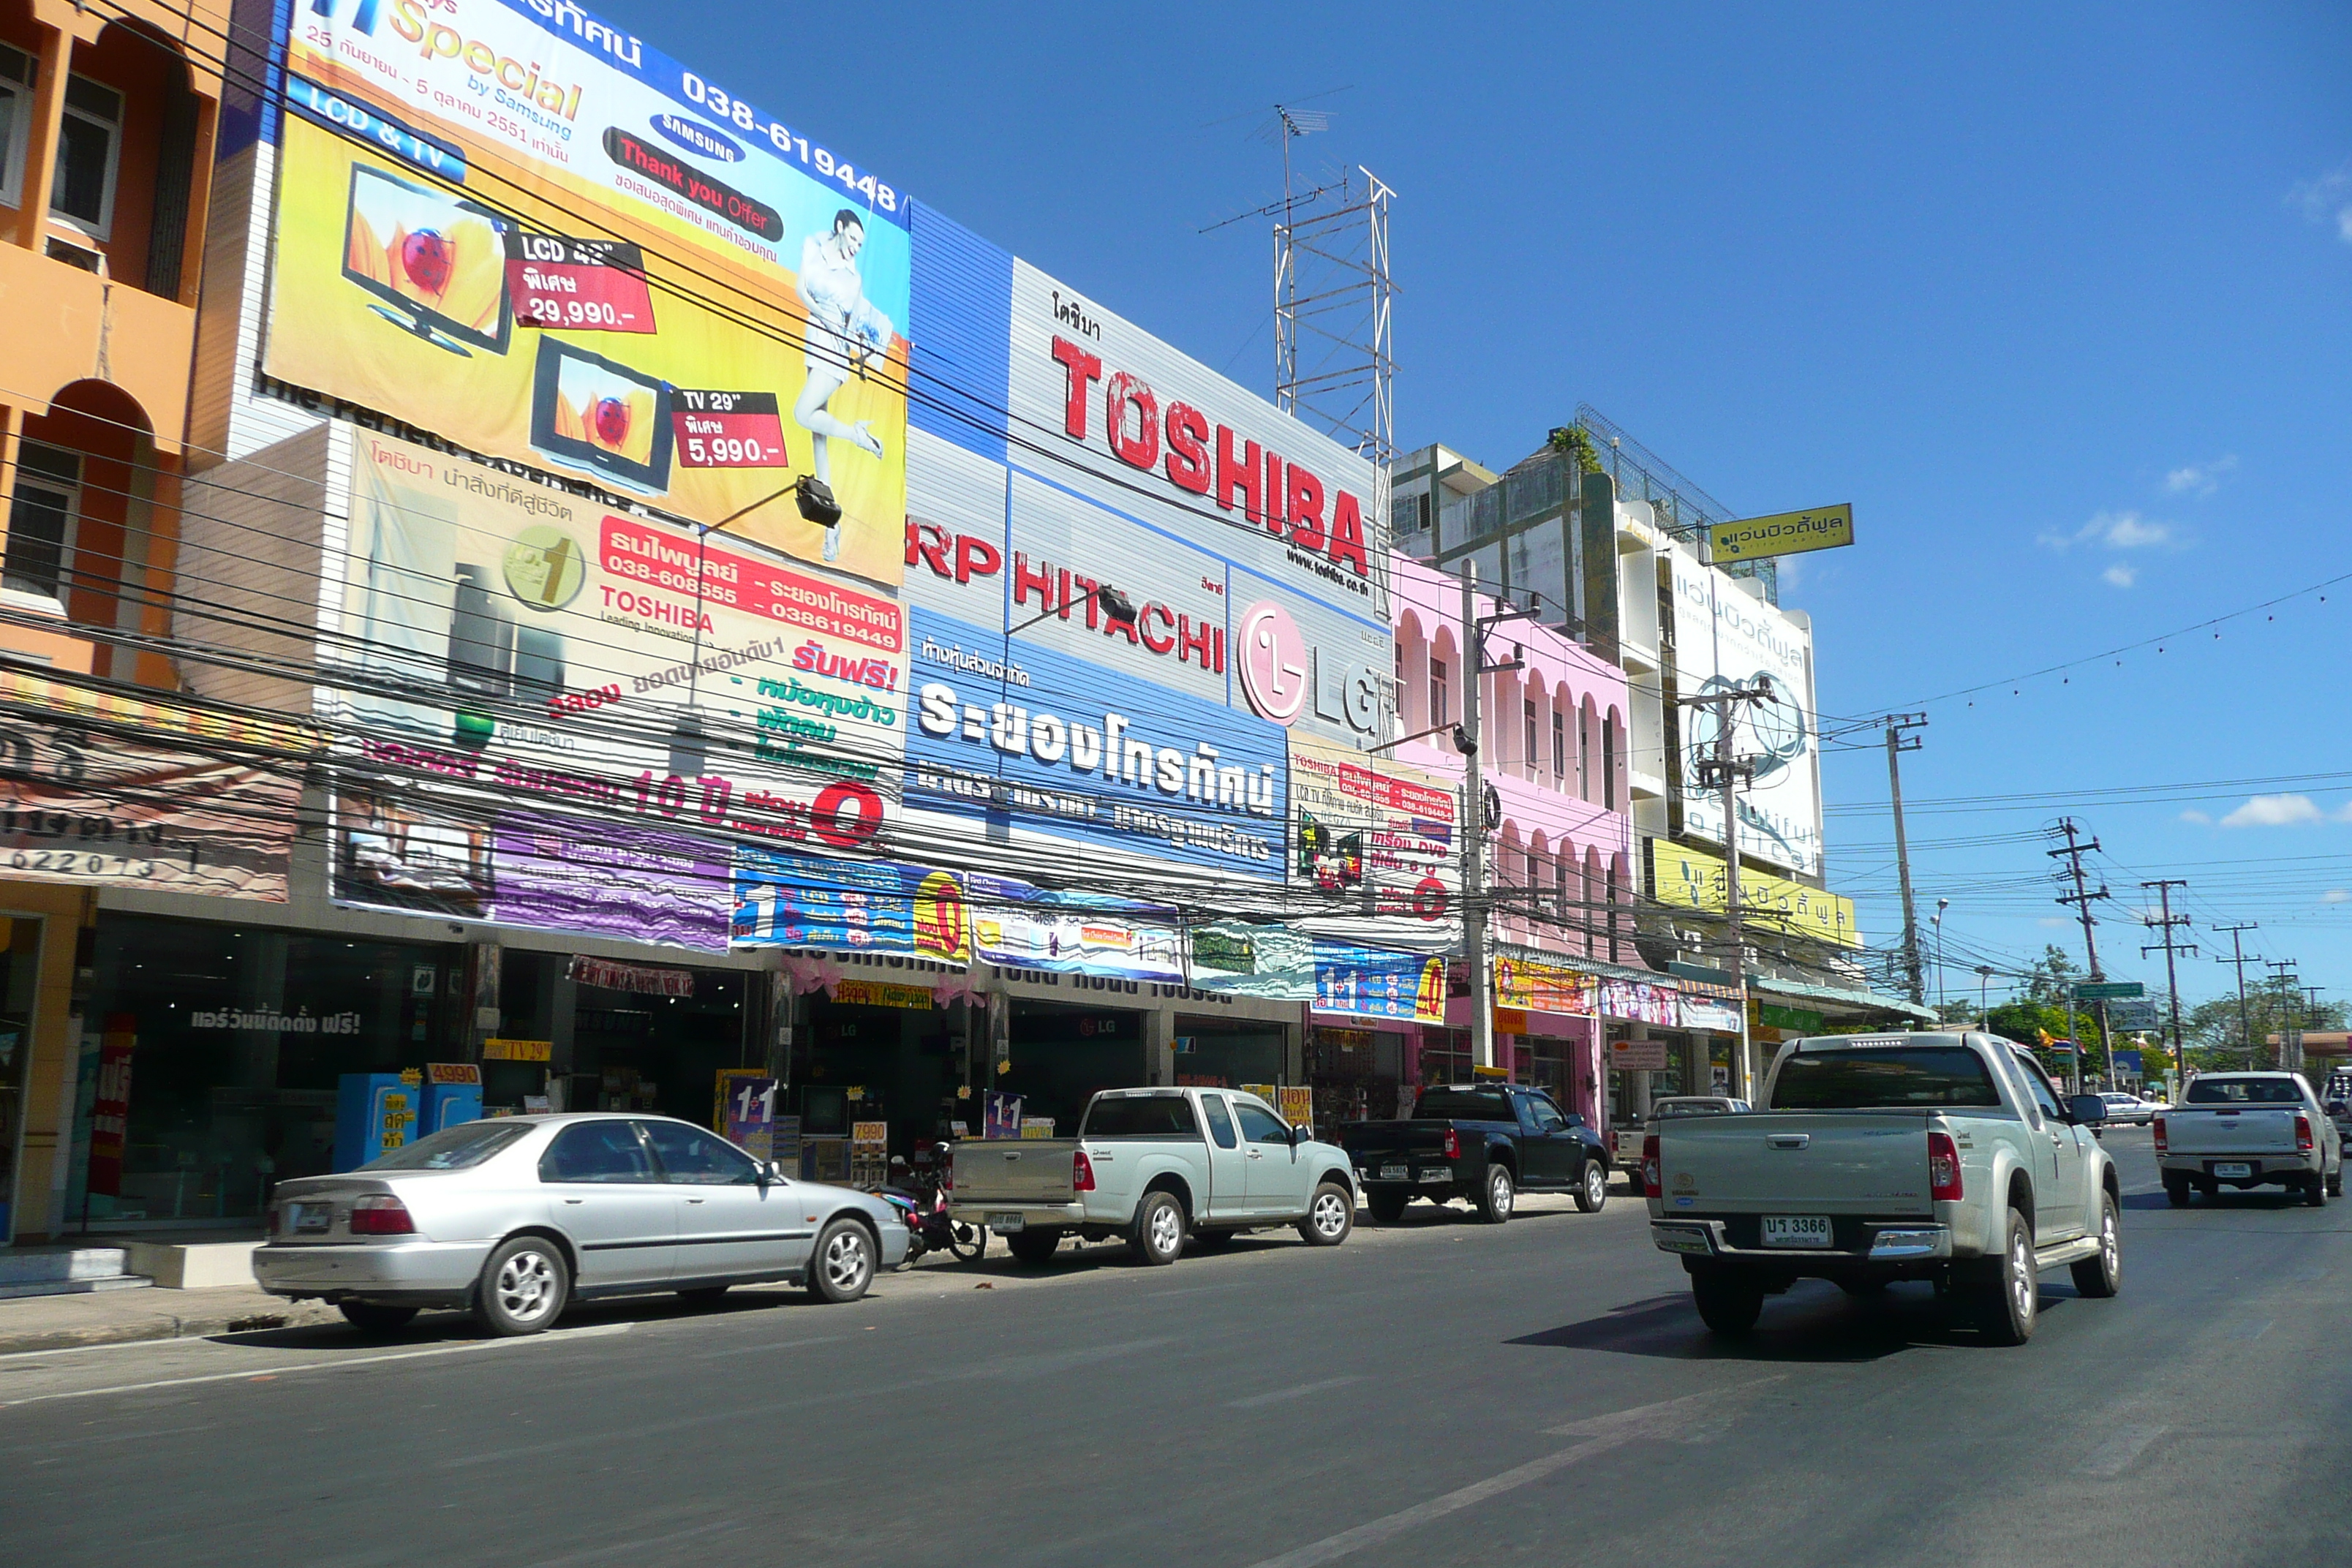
{"x":1280,"y":674}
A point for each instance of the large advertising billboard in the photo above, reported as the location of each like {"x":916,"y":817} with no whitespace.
{"x":1375,"y":848}
{"x":521,"y":230}
{"x":1693,"y":879}
{"x":566,"y":715}
{"x":1725,"y":638}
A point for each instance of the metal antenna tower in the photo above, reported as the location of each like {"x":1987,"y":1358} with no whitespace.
{"x":1334,"y":357}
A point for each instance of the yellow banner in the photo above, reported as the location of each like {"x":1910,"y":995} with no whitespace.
{"x":882,"y":993}
{"x":1693,"y":880}
{"x":1782,"y":533}
{"x":1534,"y":987}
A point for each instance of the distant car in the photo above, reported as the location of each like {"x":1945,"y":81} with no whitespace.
{"x":515,"y":1217}
{"x":2128,"y":1109}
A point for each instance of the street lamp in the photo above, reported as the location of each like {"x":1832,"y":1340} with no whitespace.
{"x":1941,"y":905}
{"x":1984,"y":989}
{"x":1114,"y":605}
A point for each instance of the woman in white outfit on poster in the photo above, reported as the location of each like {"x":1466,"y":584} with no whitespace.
{"x":844,"y":331}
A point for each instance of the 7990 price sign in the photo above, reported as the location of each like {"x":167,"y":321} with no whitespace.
{"x":727,"y":430}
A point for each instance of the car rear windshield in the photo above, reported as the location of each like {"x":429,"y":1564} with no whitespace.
{"x":1142,"y":1116}
{"x":458,"y":1148}
{"x":2243,"y":1092}
{"x":1875,"y":1080}
{"x":1463,"y":1105}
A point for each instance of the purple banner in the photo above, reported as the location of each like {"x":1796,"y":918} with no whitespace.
{"x":609,"y":880}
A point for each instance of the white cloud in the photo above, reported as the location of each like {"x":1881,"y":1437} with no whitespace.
{"x":2327,"y":200}
{"x":2120,"y":575}
{"x":2200,"y":478}
{"x":2118,"y":530}
{"x":2048,"y":923}
{"x":2199,"y":817}
{"x":2335,"y":896}
{"x":2284,"y":811}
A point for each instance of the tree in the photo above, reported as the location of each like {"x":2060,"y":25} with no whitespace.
{"x":2212,"y":1029}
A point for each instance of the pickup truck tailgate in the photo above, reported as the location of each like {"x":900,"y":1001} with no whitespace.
{"x":2226,"y":1131}
{"x":1852,"y":1163}
{"x":1015,"y":1170}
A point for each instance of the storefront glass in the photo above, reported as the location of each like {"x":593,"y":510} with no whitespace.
{"x":1062,"y":1055}
{"x":236,"y":1038}
{"x":20,"y":958}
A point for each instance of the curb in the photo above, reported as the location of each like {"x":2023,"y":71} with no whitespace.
{"x":170,"y":1326}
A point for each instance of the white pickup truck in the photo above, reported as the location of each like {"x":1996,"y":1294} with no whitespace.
{"x":1946,"y":1157}
{"x":1155,"y":1165}
{"x":2249,"y":1130}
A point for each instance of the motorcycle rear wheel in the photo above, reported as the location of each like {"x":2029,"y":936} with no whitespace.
{"x":967,"y":1243}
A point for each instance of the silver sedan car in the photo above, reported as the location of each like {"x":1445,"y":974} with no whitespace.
{"x":517,"y":1216}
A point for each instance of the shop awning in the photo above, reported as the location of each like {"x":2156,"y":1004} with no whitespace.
{"x":1834,"y":998}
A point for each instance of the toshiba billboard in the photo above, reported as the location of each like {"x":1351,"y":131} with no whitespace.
{"x":1246,"y":543}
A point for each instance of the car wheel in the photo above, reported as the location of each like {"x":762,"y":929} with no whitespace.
{"x":1387,"y":1204}
{"x":2314,"y":1192}
{"x":373,"y":1318}
{"x":524,"y":1287}
{"x":1592,"y":1192}
{"x":842,"y":1266}
{"x":2008,"y":1296}
{"x":967,"y":1243}
{"x":1330,"y":1215}
{"x":2102,"y":1274}
{"x":2336,"y":1183}
{"x":1158,"y":1238}
{"x":1496,"y":1197}
{"x":1730,"y":1300}
{"x":2176,"y":1191}
{"x":703,"y":1295}
{"x":1032,"y":1247}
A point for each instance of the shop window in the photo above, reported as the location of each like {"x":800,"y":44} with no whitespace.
{"x":43,"y":510}
{"x":90,"y":145}
{"x":596,"y":1152}
{"x":16,"y":71}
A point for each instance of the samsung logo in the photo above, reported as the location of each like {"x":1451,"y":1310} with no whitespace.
{"x":696,"y":137}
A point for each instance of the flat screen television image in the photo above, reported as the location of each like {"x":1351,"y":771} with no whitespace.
{"x":590,"y":412}
{"x":436,"y":262}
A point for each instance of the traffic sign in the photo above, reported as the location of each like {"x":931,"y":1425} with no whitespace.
{"x":2109,"y":990}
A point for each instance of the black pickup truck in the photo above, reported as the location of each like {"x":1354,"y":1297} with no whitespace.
{"x":1483,"y":1142}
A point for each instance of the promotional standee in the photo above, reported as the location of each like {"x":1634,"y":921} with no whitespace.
{"x":451,"y":1093}
{"x":374,"y":1113}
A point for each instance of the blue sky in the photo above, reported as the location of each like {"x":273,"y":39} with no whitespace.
{"x":2060,"y":298}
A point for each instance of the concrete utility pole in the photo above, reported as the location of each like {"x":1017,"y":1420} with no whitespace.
{"x":2082,"y":900}
{"x":1897,"y":723}
{"x":2310,"y":1012}
{"x":1474,"y":834}
{"x":2238,"y":959}
{"x":1724,"y":771}
{"x":2286,"y":992}
{"x":2171,"y":980}
{"x":1474,"y":810}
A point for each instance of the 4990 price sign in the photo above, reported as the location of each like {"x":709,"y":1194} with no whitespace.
{"x":727,"y":430}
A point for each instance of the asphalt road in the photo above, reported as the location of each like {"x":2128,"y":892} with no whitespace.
{"x":1435,"y":1392}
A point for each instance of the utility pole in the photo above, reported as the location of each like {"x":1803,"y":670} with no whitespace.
{"x":2171,"y":980}
{"x":2285,"y":991}
{"x":2310,"y":1011}
{"x":1897,"y":743}
{"x":1474,"y":811}
{"x":1724,"y":771}
{"x":1474,"y":834}
{"x":2238,"y":959}
{"x":2082,"y":898}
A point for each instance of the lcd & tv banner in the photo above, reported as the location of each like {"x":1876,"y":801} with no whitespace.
{"x":524,"y":230}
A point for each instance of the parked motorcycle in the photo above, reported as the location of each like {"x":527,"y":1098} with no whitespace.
{"x":921,"y":1196}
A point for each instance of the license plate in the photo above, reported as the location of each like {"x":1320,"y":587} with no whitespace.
{"x":1007,"y":1222}
{"x":1796,"y":1231}
{"x":310,"y":1219}
{"x":2227,"y":1170}
{"x":1395,"y":1172}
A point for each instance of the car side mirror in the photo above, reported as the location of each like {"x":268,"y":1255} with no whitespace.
{"x":2087,"y":1110}
{"x":1301,"y":1133}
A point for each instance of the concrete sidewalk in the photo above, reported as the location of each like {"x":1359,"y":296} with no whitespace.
{"x":113,"y":1317}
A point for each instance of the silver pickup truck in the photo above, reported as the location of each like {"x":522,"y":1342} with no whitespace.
{"x":1946,"y":1157}
{"x":2250,"y":1129}
{"x":1156,"y":1166}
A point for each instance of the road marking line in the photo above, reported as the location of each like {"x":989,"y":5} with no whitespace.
{"x":592,"y":1553}
{"x":1279,"y":1395}
{"x":247,"y":1375}
{"x":2252,"y":1331}
{"x":2121,"y":1451}
{"x":1601,"y":1433}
